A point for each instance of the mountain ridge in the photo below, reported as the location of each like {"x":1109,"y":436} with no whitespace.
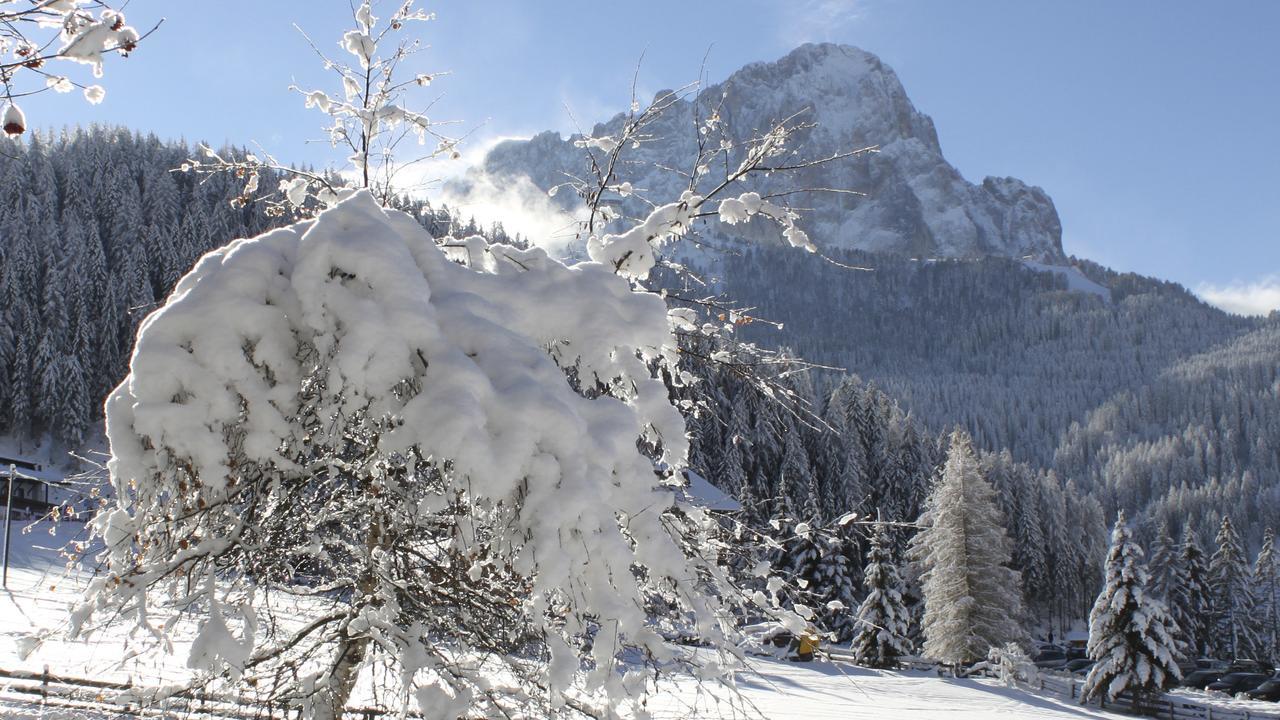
{"x":916,"y":202}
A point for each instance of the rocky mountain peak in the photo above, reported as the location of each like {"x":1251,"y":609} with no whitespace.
{"x":916,"y":203}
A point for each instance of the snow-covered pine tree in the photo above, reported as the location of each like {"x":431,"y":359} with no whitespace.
{"x":1166,"y":562}
{"x":1131,"y":635}
{"x":835,"y":586}
{"x":1191,"y":598}
{"x":1266,"y":587}
{"x":972,"y":599}
{"x":882,"y":617}
{"x":1233,"y":600}
{"x":732,"y":468}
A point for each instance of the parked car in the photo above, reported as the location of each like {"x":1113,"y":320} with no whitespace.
{"x":1238,"y":682}
{"x":1251,"y":666}
{"x":1050,"y":659}
{"x":1269,"y":690}
{"x":1079,"y":666}
{"x":1200,"y":679}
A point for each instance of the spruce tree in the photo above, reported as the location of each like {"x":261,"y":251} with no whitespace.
{"x":1266,"y":585}
{"x":1131,"y":635}
{"x":835,"y":585}
{"x":971,"y":597}
{"x":1191,"y":597}
{"x":1233,"y":599}
{"x":1165,"y":564}
{"x":882,"y":617}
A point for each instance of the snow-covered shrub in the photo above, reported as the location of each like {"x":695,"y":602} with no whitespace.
{"x":1011,"y":665}
{"x":340,"y":450}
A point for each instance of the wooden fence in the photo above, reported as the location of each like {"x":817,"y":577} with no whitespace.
{"x":113,"y":698}
{"x":72,"y":693}
{"x":1169,"y":707}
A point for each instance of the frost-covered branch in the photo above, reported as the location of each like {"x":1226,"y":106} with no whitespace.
{"x":371,"y":115}
{"x":35,"y":34}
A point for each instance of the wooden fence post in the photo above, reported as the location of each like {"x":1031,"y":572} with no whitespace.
{"x":44,"y":685}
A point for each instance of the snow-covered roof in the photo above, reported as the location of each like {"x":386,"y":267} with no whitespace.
{"x":28,"y":468}
{"x":702,"y":493}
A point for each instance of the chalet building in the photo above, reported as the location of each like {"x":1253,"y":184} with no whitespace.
{"x":34,"y":486}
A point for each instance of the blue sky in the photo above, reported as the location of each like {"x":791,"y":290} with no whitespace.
{"x":1152,"y":124}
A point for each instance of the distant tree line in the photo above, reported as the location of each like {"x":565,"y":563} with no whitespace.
{"x":96,"y":227}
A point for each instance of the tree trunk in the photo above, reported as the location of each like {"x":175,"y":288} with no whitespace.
{"x":331,"y":701}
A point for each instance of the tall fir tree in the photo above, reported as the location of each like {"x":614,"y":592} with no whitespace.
{"x":1233,"y":599}
{"x":1266,"y":585}
{"x":882,"y":617}
{"x":1131,"y":634}
{"x":972,"y":598}
{"x":1190,"y":602}
{"x":1166,"y":564}
{"x":836,"y":586}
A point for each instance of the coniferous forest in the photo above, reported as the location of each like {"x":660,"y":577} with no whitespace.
{"x":1078,"y":405}
{"x":769,"y":387}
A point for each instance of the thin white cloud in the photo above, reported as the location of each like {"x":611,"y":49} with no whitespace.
{"x":1259,"y":297}
{"x":517,"y":203}
{"x":520,"y":206}
{"x":819,"y":20}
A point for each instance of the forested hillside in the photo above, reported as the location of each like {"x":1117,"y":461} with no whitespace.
{"x":1082,"y":403}
{"x":96,"y":227}
{"x":1143,"y":399}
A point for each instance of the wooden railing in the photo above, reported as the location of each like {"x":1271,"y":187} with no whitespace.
{"x":114,"y":698}
{"x":1170,"y":707}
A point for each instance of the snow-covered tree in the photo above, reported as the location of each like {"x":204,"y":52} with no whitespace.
{"x":1165,"y":564}
{"x":453,"y":448}
{"x":1232,"y":592}
{"x":1131,"y":635}
{"x":1266,"y":587}
{"x":882,"y":617}
{"x":1012,"y":666}
{"x":834,"y":585}
{"x":972,"y":598}
{"x":465,"y":454}
{"x":1190,"y":600}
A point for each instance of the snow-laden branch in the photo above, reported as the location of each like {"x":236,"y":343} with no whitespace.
{"x":371,"y":113}
{"x":468,"y":448}
{"x":34,"y":35}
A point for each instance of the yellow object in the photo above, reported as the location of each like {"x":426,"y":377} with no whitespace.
{"x":809,"y":644}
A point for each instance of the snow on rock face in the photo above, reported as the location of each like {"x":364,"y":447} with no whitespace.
{"x":917,"y":202}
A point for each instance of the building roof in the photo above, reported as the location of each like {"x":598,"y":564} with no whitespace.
{"x":701,"y":493}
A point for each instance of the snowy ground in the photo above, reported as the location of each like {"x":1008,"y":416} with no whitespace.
{"x":39,"y":593}
{"x":826,"y":691}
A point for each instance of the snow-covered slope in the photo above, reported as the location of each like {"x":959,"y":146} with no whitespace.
{"x":41,"y":591}
{"x":916,"y":202}
{"x":1076,"y":280}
